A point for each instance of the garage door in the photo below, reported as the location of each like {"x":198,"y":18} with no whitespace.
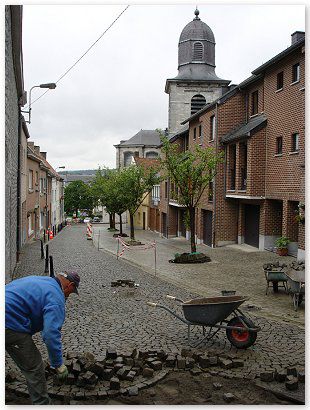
{"x":207,"y":227}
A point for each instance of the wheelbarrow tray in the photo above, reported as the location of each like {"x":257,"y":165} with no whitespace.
{"x":209,"y":311}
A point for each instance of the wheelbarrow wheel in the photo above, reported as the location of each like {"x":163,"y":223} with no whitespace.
{"x":241,"y":339}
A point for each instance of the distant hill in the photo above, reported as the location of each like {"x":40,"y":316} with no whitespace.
{"x":79,"y":172}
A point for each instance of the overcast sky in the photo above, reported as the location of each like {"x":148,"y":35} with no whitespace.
{"x":118,"y":87}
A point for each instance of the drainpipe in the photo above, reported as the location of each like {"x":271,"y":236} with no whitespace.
{"x":18,"y":234}
{"x":168,"y":206}
{"x":214,"y":180}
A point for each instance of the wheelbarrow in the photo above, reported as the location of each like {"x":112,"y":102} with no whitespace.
{"x":296,"y":286}
{"x":221,"y":312}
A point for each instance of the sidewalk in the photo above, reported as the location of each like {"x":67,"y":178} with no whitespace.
{"x":233,"y":267}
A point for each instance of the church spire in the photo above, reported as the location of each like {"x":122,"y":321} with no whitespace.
{"x":196,"y":14}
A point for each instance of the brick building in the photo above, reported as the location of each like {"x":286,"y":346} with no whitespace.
{"x":15,"y":98}
{"x":260,"y":126}
{"x":258,"y":193}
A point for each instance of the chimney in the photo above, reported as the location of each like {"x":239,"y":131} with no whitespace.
{"x":31,"y":144}
{"x":37,"y":149}
{"x":43,"y":154}
{"x":297,"y":36}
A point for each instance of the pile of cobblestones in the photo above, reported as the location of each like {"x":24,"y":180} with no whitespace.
{"x":291,"y":376}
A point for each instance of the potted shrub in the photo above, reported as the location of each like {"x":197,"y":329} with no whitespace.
{"x":281,"y":245}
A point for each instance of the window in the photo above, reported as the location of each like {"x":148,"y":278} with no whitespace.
{"x":128,"y":158}
{"x":279,"y":145}
{"x":232,"y":163}
{"x":37,"y":178}
{"x":41,"y":220}
{"x":296,"y":73}
{"x":166,"y":189}
{"x":255,"y":102}
{"x":41,"y":186}
{"x":295,"y":142}
{"x":200,"y":132}
{"x":212,"y":128}
{"x":194,"y":136}
{"x":197,"y":102}
{"x":280,"y":81}
{"x":151,"y":154}
{"x":30,"y":176}
{"x":197,"y":51}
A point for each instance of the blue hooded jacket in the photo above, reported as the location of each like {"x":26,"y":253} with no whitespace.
{"x":34,"y":304}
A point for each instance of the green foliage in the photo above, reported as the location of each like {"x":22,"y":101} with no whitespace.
{"x":190,"y":171}
{"x":282,"y":242}
{"x":137,"y":182}
{"x":78,"y":196}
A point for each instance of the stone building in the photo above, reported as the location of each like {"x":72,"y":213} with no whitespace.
{"x":15,"y":98}
{"x":195,"y":86}
{"x":258,"y":193}
{"x":144,"y":144}
{"x":196,"y":83}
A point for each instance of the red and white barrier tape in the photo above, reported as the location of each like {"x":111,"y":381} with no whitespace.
{"x":137,"y":247}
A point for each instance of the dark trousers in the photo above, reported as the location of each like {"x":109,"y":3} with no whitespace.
{"x":27,"y":357}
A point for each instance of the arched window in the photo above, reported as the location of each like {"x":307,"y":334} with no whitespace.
{"x":151,"y":154}
{"x":128,"y":157}
{"x":197,"y":102}
{"x":197,"y":51}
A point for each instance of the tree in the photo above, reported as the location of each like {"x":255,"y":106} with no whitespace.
{"x":191,"y":172}
{"x":100,"y":192}
{"x":78,"y":196}
{"x":137,"y":182}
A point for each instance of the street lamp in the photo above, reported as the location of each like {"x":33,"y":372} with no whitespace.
{"x":51,"y":86}
{"x":61,"y":167}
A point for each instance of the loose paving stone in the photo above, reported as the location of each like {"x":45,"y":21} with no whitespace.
{"x":111,"y":353}
{"x":217,"y":386}
{"x":195,"y":371}
{"x":280,"y":376}
{"x":181,"y":362}
{"x":148,"y":372}
{"x":292,"y":384}
{"x":213,"y":360}
{"x":114,"y":383}
{"x":266,"y":376}
{"x":301,"y":376}
{"x":228,"y":397}
{"x":133,"y":391}
{"x":203,"y":361}
{"x":170,"y":361}
{"x":292,"y":371}
{"x":156,"y":365}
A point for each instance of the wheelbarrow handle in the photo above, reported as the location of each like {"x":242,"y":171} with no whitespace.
{"x":174,"y":298}
{"x":170,"y":297}
{"x":151,"y":304}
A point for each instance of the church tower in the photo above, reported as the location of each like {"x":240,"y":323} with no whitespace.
{"x":196,"y":83}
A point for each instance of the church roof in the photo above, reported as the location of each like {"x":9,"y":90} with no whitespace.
{"x":197,"y":30}
{"x":143,"y":137}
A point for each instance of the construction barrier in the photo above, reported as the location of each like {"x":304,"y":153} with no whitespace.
{"x":125,"y":246}
{"x":89,"y":231}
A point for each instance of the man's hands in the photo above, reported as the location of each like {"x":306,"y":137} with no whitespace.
{"x":62,"y":373}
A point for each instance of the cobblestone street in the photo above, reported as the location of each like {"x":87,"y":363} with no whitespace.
{"x":103,"y":316}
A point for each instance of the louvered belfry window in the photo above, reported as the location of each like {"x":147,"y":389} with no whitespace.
{"x":198,"y":51}
{"x":197,"y":102}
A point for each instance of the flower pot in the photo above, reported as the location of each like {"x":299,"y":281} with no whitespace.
{"x":282,"y":251}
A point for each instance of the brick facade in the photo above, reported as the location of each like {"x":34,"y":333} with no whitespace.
{"x":14,"y":92}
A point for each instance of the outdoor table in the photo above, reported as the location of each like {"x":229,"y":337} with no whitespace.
{"x":296,"y":286}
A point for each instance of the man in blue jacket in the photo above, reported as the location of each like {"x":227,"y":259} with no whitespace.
{"x":37,"y":304}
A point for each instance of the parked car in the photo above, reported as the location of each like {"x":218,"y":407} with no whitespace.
{"x":87,"y":220}
{"x":96,"y":219}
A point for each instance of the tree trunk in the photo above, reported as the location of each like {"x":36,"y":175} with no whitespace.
{"x":132,"y":228}
{"x":193,"y":228}
{"x":110,"y":220}
{"x":76,"y":212}
{"x":113,"y":221}
{"x":120,"y":225}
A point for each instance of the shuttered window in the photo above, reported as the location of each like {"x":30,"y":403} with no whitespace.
{"x":197,"y":51}
{"x":197,"y":102}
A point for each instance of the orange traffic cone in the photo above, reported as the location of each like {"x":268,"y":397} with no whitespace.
{"x":51,"y":234}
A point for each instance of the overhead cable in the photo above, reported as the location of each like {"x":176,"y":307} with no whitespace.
{"x":83,"y":55}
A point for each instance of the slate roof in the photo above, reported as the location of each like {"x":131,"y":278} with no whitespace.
{"x":244,"y":130}
{"x":142,"y":138}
